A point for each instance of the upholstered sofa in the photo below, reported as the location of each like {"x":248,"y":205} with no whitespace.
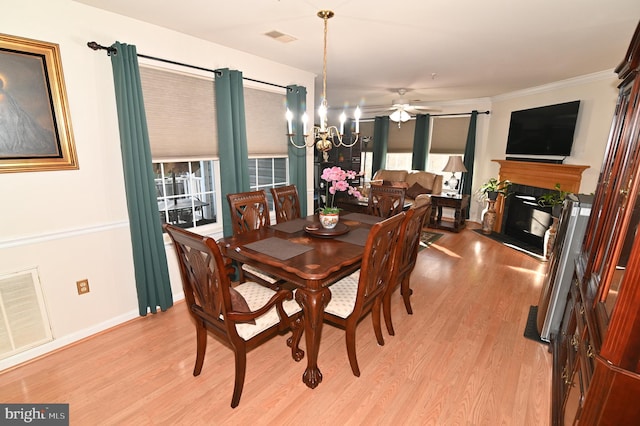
{"x":415,"y":181}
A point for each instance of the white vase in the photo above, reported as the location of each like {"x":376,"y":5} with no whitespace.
{"x":329,"y":220}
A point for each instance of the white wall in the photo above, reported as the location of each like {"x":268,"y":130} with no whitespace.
{"x":73,"y":224}
{"x":597,"y":93}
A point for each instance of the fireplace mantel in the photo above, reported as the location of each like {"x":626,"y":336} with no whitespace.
{"x":541,"y":175}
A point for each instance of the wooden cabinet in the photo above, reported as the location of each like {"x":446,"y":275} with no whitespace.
{"x":596,"y":367}
{"x":345,"y":157}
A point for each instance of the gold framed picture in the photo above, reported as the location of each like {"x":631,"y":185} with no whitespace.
{"x":35,"y":123}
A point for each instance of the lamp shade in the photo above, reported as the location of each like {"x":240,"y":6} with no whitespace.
{"x":454,"y":164}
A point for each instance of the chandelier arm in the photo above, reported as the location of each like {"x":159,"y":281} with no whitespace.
{"x":355,"y":141}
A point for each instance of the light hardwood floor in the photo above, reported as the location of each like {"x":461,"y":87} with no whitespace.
{"x":460,"y":359}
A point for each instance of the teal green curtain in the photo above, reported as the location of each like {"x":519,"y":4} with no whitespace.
{"x":469,"y":155}
{"x":380,"y":143}
{"x":149,"y":256}
{"x":297,"y":104}
{"x":421,"y":142}
{"x":232,"y":139}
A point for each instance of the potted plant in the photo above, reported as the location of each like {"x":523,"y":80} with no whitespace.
{"x":553,"y":199}
{"x":490,"y":191}
{"x":493,"y":187}
{"x":337,"y":181}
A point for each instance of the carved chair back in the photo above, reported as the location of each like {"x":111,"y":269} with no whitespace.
{"x":385,"y":201}
{"x":287,"y":204}
{"x":249,"y":211}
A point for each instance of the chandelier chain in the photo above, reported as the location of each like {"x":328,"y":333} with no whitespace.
{"x":324,"y":62}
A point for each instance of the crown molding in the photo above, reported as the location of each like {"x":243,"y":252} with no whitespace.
{"x":575,"y":81}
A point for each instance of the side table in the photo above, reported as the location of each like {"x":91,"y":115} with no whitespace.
{"x":460,"y":203}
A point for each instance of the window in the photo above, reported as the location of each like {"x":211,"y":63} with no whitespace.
{"x":268,"y":172}
{"x":181,"y":117}
{"x":186,"y":192}
{"x":180,"y":110}
{"x":399,"y":160}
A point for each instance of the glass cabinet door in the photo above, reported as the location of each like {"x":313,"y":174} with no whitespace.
{"x":597,"y":230}
{"x":621,"y":224}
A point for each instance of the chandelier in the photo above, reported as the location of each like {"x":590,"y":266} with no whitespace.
{"x":324,"y":137}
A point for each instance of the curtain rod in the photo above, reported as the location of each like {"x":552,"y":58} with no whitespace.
{"x":436,"y":115}
{"x":112,"y":50}
{"x":459,"y":113}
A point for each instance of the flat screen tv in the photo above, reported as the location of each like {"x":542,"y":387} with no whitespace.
{"x":546,"y":130}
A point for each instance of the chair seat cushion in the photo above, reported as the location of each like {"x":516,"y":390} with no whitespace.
{"x":260,"y":274}
{"x":257,"y":296}
{"x":343,"y":296}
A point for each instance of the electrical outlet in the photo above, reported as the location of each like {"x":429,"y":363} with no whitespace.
{"x":83,"y":286}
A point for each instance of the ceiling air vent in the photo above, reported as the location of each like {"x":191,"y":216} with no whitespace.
{"x":281,"y":37}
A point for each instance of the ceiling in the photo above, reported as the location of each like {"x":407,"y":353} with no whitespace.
{"x":437,"y":51}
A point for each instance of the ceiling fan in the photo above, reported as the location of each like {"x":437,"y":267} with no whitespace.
{"x":401,"y":109}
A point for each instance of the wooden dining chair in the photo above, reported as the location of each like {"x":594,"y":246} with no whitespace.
{"x":286,"y":202}
{"x":242,"y":317}
{"x":362,"y":292}
{"x":385,"y":201}
{"x":249,"y":211}
{"x":406,"y":255}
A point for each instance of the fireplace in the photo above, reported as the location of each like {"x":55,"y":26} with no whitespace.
{"x":519,"y":217}
{"x":524,"y":220}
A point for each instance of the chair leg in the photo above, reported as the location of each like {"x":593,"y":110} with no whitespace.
{"x":375,"y":317}
{"x":297,"y":328}
{"x":386,"y":310}
{"x":241,"y":369}
{"x":406,"y":292}
{"x":350,"y":336}
{"x":201,"y":349}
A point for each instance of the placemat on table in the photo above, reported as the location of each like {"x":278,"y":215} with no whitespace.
{"x":363,"y":218}
{"x":278,"y":248}
{"x":291,"y":226}
{"x":356,"y":236}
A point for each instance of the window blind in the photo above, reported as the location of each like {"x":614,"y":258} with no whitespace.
{"x":266,"y":123}
{"x":400,"y":139}
{"x":449,"y":135}
{"x":181,"y":115}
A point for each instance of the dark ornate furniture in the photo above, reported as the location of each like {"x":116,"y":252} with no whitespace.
{"x":386,"y":200}
{"x":596,"y":354}
{"x":362,"y":292}
{"x":407,"y":253}
{"x":459,"y":203}
{"x":286,"y":202}
{"x":242,"y":317}
{"x":249,"y":211}
{"x":326,"y":261}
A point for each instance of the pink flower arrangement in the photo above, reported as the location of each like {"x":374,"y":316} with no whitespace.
{"x":336,"y":179}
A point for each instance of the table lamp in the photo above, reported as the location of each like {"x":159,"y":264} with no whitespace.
{"x":454,"y":165}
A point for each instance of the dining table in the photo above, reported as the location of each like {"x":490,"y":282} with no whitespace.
{"x":309,"y":257}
